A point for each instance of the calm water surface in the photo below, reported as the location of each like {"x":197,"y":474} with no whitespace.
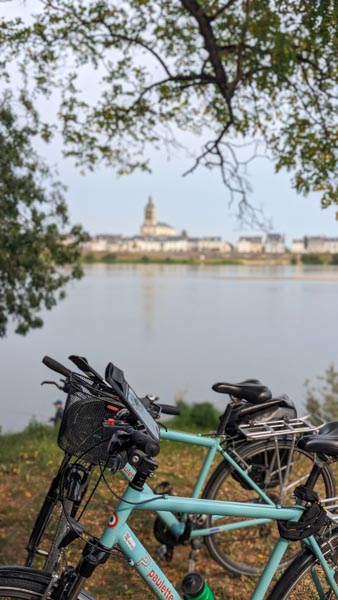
{"x":177,"y":330}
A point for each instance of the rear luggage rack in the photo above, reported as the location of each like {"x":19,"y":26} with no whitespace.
{"x":331,"y":505}
{"x":261,"y":431}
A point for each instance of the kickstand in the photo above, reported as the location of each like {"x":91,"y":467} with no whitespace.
{"x":195,"y":550}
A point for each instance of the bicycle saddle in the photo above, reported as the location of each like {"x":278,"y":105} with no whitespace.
{"x":326,"y":440}
{"x":252,"y":390}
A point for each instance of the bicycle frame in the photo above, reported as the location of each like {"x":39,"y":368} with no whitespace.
{"x":214,"y":446}
{"x":118,"y":532}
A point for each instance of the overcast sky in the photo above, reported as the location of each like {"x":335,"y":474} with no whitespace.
{"x":198,"y":203}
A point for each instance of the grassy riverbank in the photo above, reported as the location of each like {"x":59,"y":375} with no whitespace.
{"x":136,"y":259}
{"x":209,"y":260}
{"x":28,"y":461}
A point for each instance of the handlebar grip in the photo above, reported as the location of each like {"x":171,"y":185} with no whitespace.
{"x":143,"y":442}
{"x":168,"y":409}
{"x":55,"y":366}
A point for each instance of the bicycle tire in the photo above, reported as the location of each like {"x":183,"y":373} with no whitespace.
{"x":296,"y":583}
{"x":24,"y":583}
{"x":45,"y":513}
{"x":229,"y":548}
{"x":54,"y":554}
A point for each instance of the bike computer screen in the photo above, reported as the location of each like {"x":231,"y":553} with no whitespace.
{"x":116,"y":380}
{"x":141,"y":413}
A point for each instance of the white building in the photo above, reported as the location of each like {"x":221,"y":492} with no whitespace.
{"x":175,"y":244}
{"x":332,"y":245}
{"x":250,"y":245}
{"x":298,"y":246}
{"x":103,"y":243}
{"x":316,"y":245}
{"x":274,"y":243}
{"x":154,"y":244}
{"x":209,"y":245}
{"x":149,"y":244}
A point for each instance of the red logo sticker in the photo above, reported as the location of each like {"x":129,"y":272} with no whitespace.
{"x":113,"y":521}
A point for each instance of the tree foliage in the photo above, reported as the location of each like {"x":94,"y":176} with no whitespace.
{"x":322,"y":400}
{"x":33,"y":214}
{"x":228,"y":71}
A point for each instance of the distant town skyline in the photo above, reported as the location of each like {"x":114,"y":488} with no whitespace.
{"x":198,"y":203}
{"x":151,"y":229}
{"x":156,"y":238}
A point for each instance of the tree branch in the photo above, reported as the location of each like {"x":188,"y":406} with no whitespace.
{"x":138,"y":42}
{"x":221,"y":10}
{"x":210,"y":42}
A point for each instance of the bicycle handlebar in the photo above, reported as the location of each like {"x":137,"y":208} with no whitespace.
{"x":154,"y":407}
{"x":83,"y":365}
{"x":56,"y":366}
{"x":168,"y":409}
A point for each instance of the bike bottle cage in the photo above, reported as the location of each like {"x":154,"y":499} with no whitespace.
{"x":312,"y":520}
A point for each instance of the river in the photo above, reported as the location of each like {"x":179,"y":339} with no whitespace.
{"x":177,"y":329}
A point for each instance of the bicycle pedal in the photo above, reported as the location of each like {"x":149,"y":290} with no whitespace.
{"x":165,"y":552}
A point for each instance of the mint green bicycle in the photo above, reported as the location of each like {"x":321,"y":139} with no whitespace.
{"x":259,"y":463}
{"x":134,"y":433}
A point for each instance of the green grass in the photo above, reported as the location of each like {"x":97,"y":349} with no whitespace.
{"x":312,"y":259}
{"x":37,"y":442}
{"x":112,"y":258}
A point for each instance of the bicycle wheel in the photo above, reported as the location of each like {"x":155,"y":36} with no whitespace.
{"x":51,"y":523}
{"x":26,"y":584}
{"x":304,"y":578}
{"x":45,"y":513}
{"x":62,"y":527}
{"x":277,"y":469}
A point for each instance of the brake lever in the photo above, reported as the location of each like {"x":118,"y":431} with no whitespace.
{"x":149,"y":403}
{"x":60,"y":387}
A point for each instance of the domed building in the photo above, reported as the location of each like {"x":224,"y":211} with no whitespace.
{"x":153,"y":228}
